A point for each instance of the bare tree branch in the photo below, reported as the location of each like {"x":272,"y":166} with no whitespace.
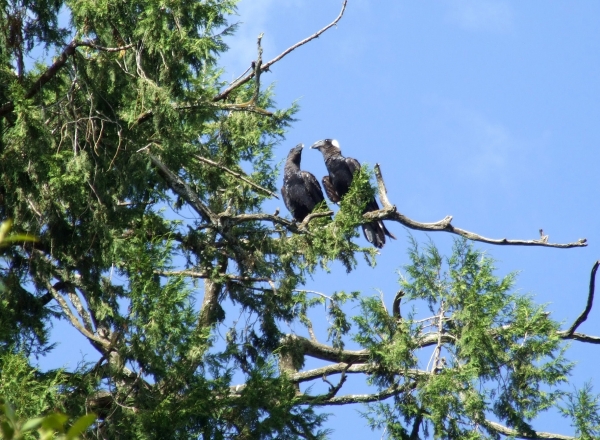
{"x":264,"y":67}
{"x":539,"y":435}
{"x":590,"y":301}
{"x":67,"y":311}
{"x":81,"y":311}
{"x":389,"y":212}
{"x":580,"y":337}
{"x":364,"y":398}
{"x":327,"y":353}
{"x":236,"y":174}
{"x":338,"y":368}
{"x":304,"y":376}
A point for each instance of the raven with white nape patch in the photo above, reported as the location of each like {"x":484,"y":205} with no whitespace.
{"x":301,"y":190}
{"x":341,"y":172}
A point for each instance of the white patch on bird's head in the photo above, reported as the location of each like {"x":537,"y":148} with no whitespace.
{"x":335,"y":143}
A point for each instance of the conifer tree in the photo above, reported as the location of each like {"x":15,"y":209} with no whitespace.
{"x":129,"y":123}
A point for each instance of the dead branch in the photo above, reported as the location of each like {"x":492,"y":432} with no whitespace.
{"x":81,"y":311}
{"x":365,"y":398}
{"x":396,"y":306}
{"x":338,"y":368}
{"x":389,"y":212}
{"x":580,"y":337}
{"x":327,"y":353}
{"x":74,"y":321}
{"x":264,"y":67}
{"x":590,"y":301}
{"x":333,"y":390}
{"x":514,"y":433}
{"x":236,"y":174}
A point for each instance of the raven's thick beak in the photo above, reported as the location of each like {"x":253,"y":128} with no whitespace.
{"x":317,"y":144}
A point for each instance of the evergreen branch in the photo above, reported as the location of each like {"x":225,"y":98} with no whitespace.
{"x":182,"y":189}
{"x":194,"y":274}
{"x":513,"y":433}
{"x":265,"y":67}
{"x":590,"y":301}
{"x":314,"y":215}
{"x":274,"y":218}
{"x":51,"y":72}
{"x":237,"y":175}
{"x":257,"y":68}
{"x":103,"y":48}
{"x":326,"y":352}
{"x":389,"y":212}
{"x":261,"y":217}
{"x":246,"y":107}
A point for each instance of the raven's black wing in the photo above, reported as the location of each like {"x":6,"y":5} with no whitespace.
{"x":330,"y":190}
{"x":312,"y":186}
{"x":353,"y":165}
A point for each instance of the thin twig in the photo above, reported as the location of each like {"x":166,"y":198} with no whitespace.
{"x":266,"y":66}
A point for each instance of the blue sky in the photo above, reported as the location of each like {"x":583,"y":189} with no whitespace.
{"x":486,"y":110}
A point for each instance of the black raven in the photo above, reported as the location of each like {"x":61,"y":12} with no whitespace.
{"x":341,"y":172}
{"x":301,"y":190}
